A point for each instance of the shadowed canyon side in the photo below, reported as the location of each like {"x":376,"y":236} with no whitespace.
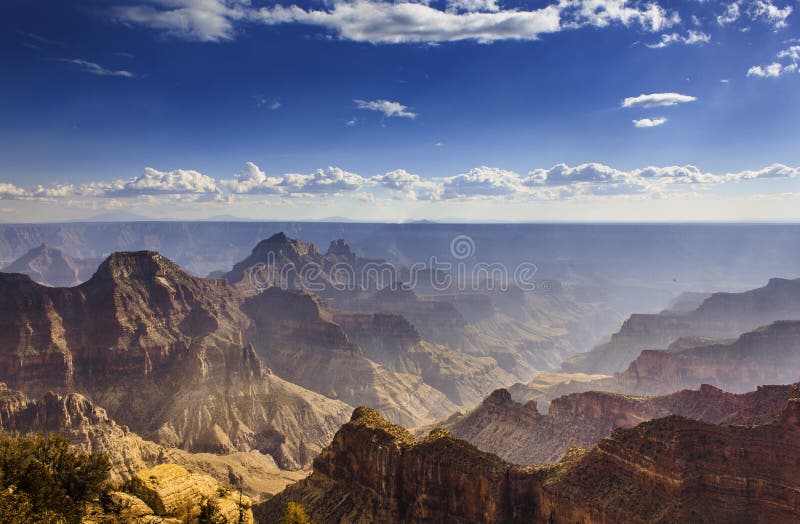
{"x":671,"y":469}
{"x":164,"y":353}
{"x":720,"y":316}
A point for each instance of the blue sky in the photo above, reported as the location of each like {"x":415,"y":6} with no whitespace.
{"x":474,"y":109}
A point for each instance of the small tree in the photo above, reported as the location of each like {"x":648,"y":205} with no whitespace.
{"x":48,"y":478}
{"x":295,"y":514}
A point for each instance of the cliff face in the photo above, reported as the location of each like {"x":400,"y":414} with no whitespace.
{"x":297,"y":339}
{"x":668,"y":470}
{"x":163,"y":352}
{"x":722,"y":315}
{"x":520,"y":434}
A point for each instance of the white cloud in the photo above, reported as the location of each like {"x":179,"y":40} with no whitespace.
{"x":690,"y":38}
{"x":388,"y":108}
{"x":649,"y":122}
{"x":154,"y":182}
{"x":732,"y":14}
{"x":657,"y":100}
{"x":772,"y":70}
{"x":777,"y":69}
{"x":602,"y":13}
{"x":96,"y":69}
{"x":793,"y":53}
{"x":471,"y":6}
{"x":254,"y":181}
{"x":560,"y":182}
{"x":403,"y":22}
{"x":198,"y":20}
{"x":410,"y":185}
{"x":755,"y":10}
{"x":482,"y":181}
{"x":769,"y":12}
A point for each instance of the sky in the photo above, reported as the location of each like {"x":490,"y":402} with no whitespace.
{"x":475,"y":110}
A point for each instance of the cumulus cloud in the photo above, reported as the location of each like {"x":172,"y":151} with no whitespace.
{"x":482,"y":181}
{"x":154,"y":182}
{"x":648,"y":178}
{"x":96,"y":69}
{"x":198,"y":20}
{"x":11,"y":192}
{"x":650,"y":122}
{"x":410,"y":185}
{"x":772,"y":70}
{"x":657,"y":100}
{"x":776,"y":69}
{"x":690,"y":38}
{"x":388,"y":108}
{"x":560,"y":182}
{"x":253,"y":181}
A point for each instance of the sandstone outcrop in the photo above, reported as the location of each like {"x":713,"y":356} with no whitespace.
{"x":172,"y":491}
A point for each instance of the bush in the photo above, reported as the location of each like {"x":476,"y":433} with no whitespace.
{"x":45,"y":479}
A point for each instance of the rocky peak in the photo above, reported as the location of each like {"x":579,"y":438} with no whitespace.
{"x":498,"y":397}
{"x":143,"y":265}
{"x":340,"y":248}
{"x":281,"y":244}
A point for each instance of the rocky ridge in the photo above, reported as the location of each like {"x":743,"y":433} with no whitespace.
{"x":520,"y":434}
{"x":671,"y":469}
{"x":722,"y":315}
